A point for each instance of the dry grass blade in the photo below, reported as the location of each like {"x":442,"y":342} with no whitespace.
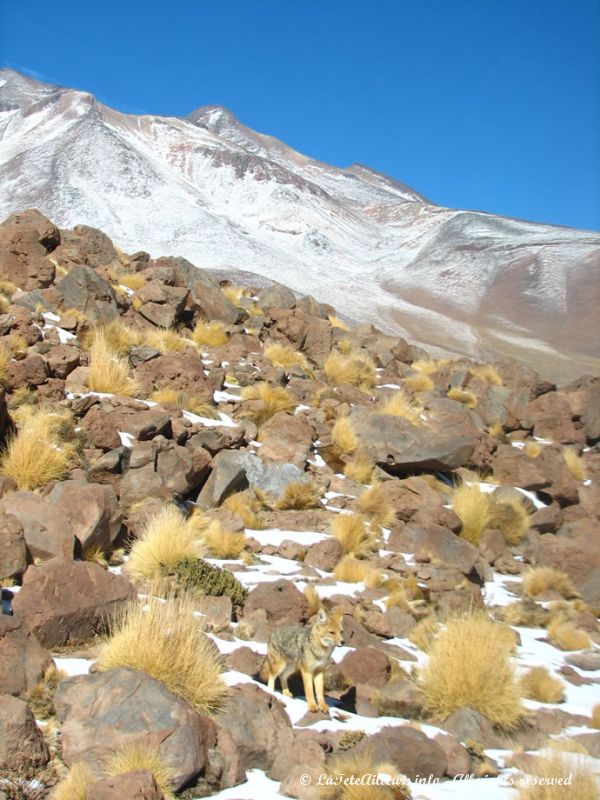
{"x":487,"y":373}
{"x":463,"y":396}
{"x":165,"y":340}
{"x":399,"y":405}
{"x":561,"y":776}
{"x":208,"y":332}
{"x":538,"y":580}
{"x":359,"y":467}
{"x":350,"y":570}
{"x":108,"y":372}
{"x":538,"y":684}
{"x":510,"y":517}
{"x":357,"y":369}
{"x":343,"y":435}
{"x":162,"y":638}
{"x":472,"y":506}
{"x":574,"y":463}
{"x":75,"y":785}
{"x":138,"y":756}
{"x":352,"y":533}
{"x":223,"y":543}
{"x":268,"y":401}
{"x":564,"y":635}
{"x":298,"y":496}
{"x":374,"y":503}
{"x":185,"y":401}
{"x":246,"y":506}
{"x":285,"y":356}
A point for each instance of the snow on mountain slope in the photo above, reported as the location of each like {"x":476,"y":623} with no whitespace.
{"x":208,"y":188}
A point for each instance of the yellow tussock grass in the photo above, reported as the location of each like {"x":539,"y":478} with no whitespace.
{"x":574,"y":463}
{"x":166,"y":340}
{"x":166,"y":539}
{"x":595,"y":720}
{"x":5,"y":357}
{"x":16,"y":345}
{"x":578,"y":779}
{"x":399,"y":405}
{"x":97,"y":555}
{"x":351,"y":776}
{"x":345,"y":346}
{"x":185,"y":401}
{"x":487,"y":373}
{"x":269,"y":399}
{"x":163,"y":639}
{"x":299,"y":496}
{"x":357,"y":369}
{"x":75,"y":785}
{"x":472,"y":506}
{"x":425,"y":366}
{"x":532,"y":449}
{"x":510,"y":517}
{"x":351,"y":570}
{"x":120,"y":338}
{"x":496,"y":430}
{"x":246,"y":506}
{"x":359,"y":467}
{"x":35,"y":455}
{"x":343,"y":435}
{"x":132,"y":280}
{"x":374,"y":504}
{"x":234,"y":294}
{"x":424,"y":632}
{"x":223,"y":543}
{"x":137,"y":756}
{"x":419,"y":382}
{"x":564,"y":635}
{"x":352,"y":533}
{"x":285,"y":356}
{"x":469,"y":664}
{"x":41,"y":697}
{"x":108,"y":372}
{"x":538,"y":684}
{"x":209,"y":332}
{"x":463,"y":396}
{"x":538,"y":580}
{"x":336,"y":322}
{"x":399,"y":599}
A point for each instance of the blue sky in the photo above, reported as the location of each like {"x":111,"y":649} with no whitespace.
{"x":485,"y":104}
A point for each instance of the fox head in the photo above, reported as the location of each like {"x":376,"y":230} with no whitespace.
{"x":329,"y":627}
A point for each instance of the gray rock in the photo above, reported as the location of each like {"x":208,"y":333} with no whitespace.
{"x":13,"y":552}
{"x":22,"y":745}
{"x":86,"y":291}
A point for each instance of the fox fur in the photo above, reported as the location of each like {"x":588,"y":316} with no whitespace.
{"x":293,"y":648}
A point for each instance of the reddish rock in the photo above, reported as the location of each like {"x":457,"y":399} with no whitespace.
{"x":62,"y":360}
{"x":365,"y":665}
{"x":245,"y":660}
{"x":512,"y":467}
{"x":551,"y":415}
{"x":409,"y":496}
{"x":69,"y":601}
{"x":324,"y":555}
{"x":13,"y":552}
{"x":89,"y":510}
{"x":85,"y":290}
{"x":412,"y":753}
{"x":180,"y":371}
{"x":458,"y":757}
{"x":29,"y":371}
{"x":22,"y":745}
{"x":286,"y":438}
{"x":138,"y":785}
{"x":23,"y":660}
{"x":26,"y":239}
{"x":45,"y":535}
{"x":106,"y":711}
{"x":436,"y":542}
{"x":280,"y":599}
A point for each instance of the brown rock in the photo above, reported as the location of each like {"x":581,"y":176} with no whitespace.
{"x":62,"y":360}
{"x":551,"y":415}
{"x":22,"y":745}
{"x":411,"y":752}
{"x":280,"y":599}
{"x":365,"y":665}
{"x":23,"y":660}
{"x":44,"y":534}
{"x":245,"y":660}
{"x":457,"y":756}
{"x":436,"y":542}
{"x":138,"y":785}
{"x":513,"y":468}
{"x":324,"y":555}
{"x":410,"y":496}
{"x":584,"y":399}
{"x":286,"y":438}
{"x":466,"y":723}
{"x":89,"y":510}
{"x":180,"y":371}
{"x":30,"y":371}
{"x":13,"y":552}
{"x":83,"y":289}
{"x":69,"y":601}
{"x":103,"y":712}
{"x":26,"y":239}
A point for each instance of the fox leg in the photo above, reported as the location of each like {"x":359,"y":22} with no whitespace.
{"x":283,"y":679}
{"x":319,"y":688}
{"x":276,"y":666}
{"x":307,"y":680}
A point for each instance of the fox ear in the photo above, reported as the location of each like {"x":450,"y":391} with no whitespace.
{"x":322,"y":616}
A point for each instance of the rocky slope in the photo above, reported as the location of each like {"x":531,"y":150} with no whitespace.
{"x":308,"y":443}
{"x":210,"y":189}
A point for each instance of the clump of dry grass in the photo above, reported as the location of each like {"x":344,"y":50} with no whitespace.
{"x":185,"y":401}
{"x":595,"y":720}
{"x":285,"y":356}
{"x":137,"y":756}
{"x":472,"y":506}
{"x":234,"y":294}
{"x":223,"y":543}
{"x":97,"y":555}
{"x":167,"y":538}
{"x":269,"y":400}
{"x":424,"y":633}
{"x":510,"y":517}
{"x":132,"y":280}
{"x":359,"y":467}
{"x":162,"y":638}
{"x":108,"y":372}
{"x":538,"y":684}
{"x":496,"y":430}
{"x":357,"y":369}
{"x":350,"y":569}
{"x":209,"y":332}
{"x":399,"y":405}
{"x":336,"y":322}
{"x":526,"y":614}
{"x":246,"y":506}
{"x":419,"y":382}
{"x":577,"y":779}
{"x":425,"y":366}
{"x":75,"y":785}
{"x":469,"y":665}
{"x":352,"y":776}
{"x":344,"y":436}
{"x":574,"y":463}
{"x":120,"y":338}
{"x":41,"y":696}
{"x":538,"y":580}
{"x":298,"y":496}
{"x":36,"y":454}
{"x":374,"y":503}
{"x":564,"y":635}
{"x":487,"y":373}
{"x":463,"y":396}
{"x":5,"y":357}
{"x":165,"y":340}
{"x":352,"y":533}
{"x":532,"y":449}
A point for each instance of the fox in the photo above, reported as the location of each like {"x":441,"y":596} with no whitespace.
{"x":293,"y":648}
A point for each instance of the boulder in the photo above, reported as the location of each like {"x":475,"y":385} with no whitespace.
{"x":13,"y":552}
{"x":26,"y":238}
{"x":286,"y":439}
{"x":180,"y":371}
{"x":103,"y":712}
{"x":259,"y":727}
{"x":86,"y":245}
{"x":305,"y":332}
{"x":365,"y":665}
{"x":245,"y":660}
{"x":90,"y":511}
{"x":551,"y":415}
{"x":29,"y":372}
{"x":436,"y":542}
{"x":45,"y":535}
{"x":138,"y":785}
{"x":23,"y":660}
{"x":324,"y":555}
{"x":280,"y":599}
{"x":62,"y":359}
{"x":277,"y":296}
{"x":66,"y":602}
{"x":22,"y":746}
{"x":84,"y":290}
{"x":584,"y":399}
{"x":467,"y":723}
{"x":234,"y":471}
{"x":410,"y":751}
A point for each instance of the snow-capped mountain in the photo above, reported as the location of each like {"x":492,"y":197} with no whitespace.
{"x":208,"y":188}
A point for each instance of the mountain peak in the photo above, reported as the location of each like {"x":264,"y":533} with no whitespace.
{"x":213,"y":118}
